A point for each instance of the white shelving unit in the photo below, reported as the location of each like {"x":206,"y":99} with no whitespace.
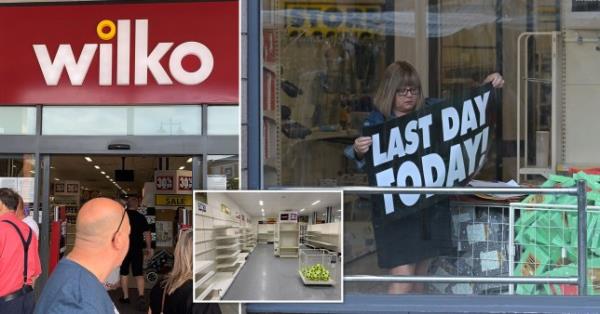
{"x":250,"y":240}
{"x":204,"y":273}
{"x":227,"y":240}
{"x":288,"y":234}
{"x":276,"y":241}
{"x":320,"y":240}
{"x":266,"y":233}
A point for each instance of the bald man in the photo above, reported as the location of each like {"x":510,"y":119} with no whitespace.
{"x":101,"y":243}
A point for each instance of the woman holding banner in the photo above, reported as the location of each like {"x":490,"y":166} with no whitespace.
{"x":406,"y":245}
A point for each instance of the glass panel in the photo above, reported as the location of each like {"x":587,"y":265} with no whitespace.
{"x":17,"y":172}
{"x":223,"y":120}
{"x":122,"y":120}
{"x":223,"y":172}
{"x":323,"y":63}
{"x":17,"y":120}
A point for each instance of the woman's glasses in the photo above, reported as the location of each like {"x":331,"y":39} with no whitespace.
{"x":411,"y":90}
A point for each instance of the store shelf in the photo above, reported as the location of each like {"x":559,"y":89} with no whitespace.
{"x":227,"y":256}
{"x":202,"y":265}
{"x":206,"y":292}
{"x":221,"y":227}
{"x":204,"y":228}
{"x":229,"y":237}
{"x":222,"y":282}
{"x":227,"y":247}
{"x":323,"y":243}
{"x":202,"y":241}
{"x":198,"y":253}
{"x":228,"y":265}
{"x":204,"y":279}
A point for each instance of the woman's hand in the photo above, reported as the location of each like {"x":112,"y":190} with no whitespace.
{"x":361,"y":146}
{"x":496,"y":79}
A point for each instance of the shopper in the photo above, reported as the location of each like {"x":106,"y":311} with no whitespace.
{"x":101,"y":243}
{"x":175,"y":294}
{"x":140,"y":231}
{"x":26,"y":218}
{"x":19,"y":258}
{"x":406,"y":246}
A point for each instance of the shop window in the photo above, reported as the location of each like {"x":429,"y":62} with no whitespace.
{"x":223,"y":120}
{"x":122,"y":120}
{"x":17,"y":120}
{"x":223,"y":172}
{"x":322,"y":63}
{"x":17,"y":172}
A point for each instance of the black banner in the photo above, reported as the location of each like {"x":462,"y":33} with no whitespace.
{"x":442,"y":145}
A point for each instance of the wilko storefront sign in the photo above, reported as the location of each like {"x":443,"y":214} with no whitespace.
{"x":145,"y":61}
{"x":120,"y":53}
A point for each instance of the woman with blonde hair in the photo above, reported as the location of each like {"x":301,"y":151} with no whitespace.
{"x":406,"y":246}
{"x":175,"y":293}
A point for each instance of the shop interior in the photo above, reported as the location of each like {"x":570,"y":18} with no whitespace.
{"x":268,"y":246}
{"x":163,"y":185}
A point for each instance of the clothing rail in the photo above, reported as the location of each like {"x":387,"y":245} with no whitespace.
{"x":579,"y":191}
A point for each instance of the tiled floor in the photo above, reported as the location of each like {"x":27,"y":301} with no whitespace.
{"x":266,"y":277}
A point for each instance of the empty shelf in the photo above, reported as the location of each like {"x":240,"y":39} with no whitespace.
{"x":225,"y":247}
{"x":225,"y":227}
{"x":204,"y":279}
{"x":227,"y":237}
{"x":226,"y":256}
{"x":202,"y":265}
{"x":207,"y":291}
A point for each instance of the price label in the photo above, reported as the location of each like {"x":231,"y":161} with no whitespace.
{"x":185,"y":183}
{"x":164,"y":183}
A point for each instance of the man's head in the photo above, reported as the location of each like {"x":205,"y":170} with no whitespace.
{"x":133,"y":203}
{"x":9,"y":200}
{"x":103,"y":230}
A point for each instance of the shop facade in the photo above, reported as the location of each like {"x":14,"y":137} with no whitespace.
{"x":121,"y":83}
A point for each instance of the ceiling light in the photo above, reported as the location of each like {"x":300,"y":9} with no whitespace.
{"x":102,"y":172}
{"x":189,"y":161}
{"x":316,"y":202}
{"x":96,"y":166}
{"x":56,"y":179}
{"x":52,"y":167}
{"x":88,"y":159}
{"x":108,"y":177}
{"x":261,"y":203}
{"x":182,"y":167}
{"x":302,"y":209}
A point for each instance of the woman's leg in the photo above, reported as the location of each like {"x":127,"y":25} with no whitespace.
{"x":422,"y":269}
{"x":402,"y":288}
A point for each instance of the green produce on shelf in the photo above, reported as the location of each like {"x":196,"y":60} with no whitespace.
{"x":316,"y":272}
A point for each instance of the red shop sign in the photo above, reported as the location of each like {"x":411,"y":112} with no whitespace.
{"x":157,"y":53}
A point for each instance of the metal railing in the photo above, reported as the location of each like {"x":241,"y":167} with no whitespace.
{"x":579,"y":191}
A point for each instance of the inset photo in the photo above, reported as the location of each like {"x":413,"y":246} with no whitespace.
{"x":268,"y":246}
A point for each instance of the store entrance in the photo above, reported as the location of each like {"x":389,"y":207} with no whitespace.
{"x":162,"y":184}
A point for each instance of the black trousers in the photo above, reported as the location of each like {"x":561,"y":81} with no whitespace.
{"x":21,"y":305}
